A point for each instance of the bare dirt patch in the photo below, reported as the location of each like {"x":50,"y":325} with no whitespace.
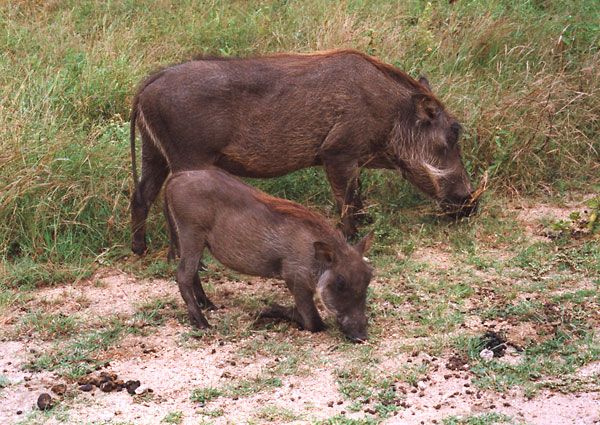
{"x":173,"y":364}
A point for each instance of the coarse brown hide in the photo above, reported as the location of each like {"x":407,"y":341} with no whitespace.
{"x":268,"y":116}
{"x":256,"y":234}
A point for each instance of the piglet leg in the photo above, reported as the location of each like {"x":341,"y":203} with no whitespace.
{"x":187,"y":274}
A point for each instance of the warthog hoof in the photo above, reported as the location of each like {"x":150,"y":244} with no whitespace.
{"x":139,"y":248}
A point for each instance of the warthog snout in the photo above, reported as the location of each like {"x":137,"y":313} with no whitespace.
{"x":354,"y":328}
{"x":458,"y":207}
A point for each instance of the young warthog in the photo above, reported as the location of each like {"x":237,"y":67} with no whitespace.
{"x":268,"y":116}
{"x":256,"y":234}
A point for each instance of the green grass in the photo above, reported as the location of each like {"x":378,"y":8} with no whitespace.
{"x":173,"y":418}
{"x":274,"y":413}
{"x":521,"y":76}
{"x":483,"y":419}
{"x":342,"y":420}
{"x":48,"y":326}
{"x":204,"y":395}
{"x":81,"y":354}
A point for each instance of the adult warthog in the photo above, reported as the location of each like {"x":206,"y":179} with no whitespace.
{"x":268,"y":116}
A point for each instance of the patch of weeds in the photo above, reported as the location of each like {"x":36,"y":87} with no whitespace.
{"x":204,"y":395}
{"x":534,"y":258}
{"x":273,"y":413}
{"x":289,"y":358}
{"x":173,"y":418}
{"x":4,"y":382}
{"x":48,"y":326}
{"x":77,"y":357}
{"x":362,"y":385}
{"x":192,"y":337}
{"x":243,"y":388}
{"x":343,"y":420}
{"x":215,"y":413}
{"x":155,"y":312}
{"x":579,"y":223}
{"x":250,"y":386}
{"x":559,"y":357}
{"x":154,"y":267}
{"x":57,"y":414}
{"x":531,"y":310}
{"x":484,"y":419}
{"x":27,"y":274}
{"x":11,"y":297}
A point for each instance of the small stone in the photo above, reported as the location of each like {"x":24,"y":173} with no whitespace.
{"x":86,"y":387}
{"x":340,"y":402}
{"x":213,"y":351}
{"x":486,"y":354}
{"x":19,"y":412}
{"x":437,"y":406}
{"x":44,"y":401}
{"x":330,"y":404}
{"x":141,"y":389}
{"x":59,"y":389}
{"x":421,"y":385}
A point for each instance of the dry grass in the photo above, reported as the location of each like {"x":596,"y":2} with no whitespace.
{"x":522,"y":77}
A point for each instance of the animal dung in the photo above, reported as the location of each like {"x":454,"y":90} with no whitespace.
{"x":44,"y":401}
{"x":108,"y":382}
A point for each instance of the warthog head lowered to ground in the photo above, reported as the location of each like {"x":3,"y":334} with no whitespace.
{"x":425,"y":146}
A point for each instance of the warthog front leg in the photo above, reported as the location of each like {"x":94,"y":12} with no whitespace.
{"x":345,"y":186}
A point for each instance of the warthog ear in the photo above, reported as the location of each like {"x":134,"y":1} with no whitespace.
{"x":365,"y":243}
{"x":425,"y":82}
{"x":426,"y":107}
{"x":324,"y":252}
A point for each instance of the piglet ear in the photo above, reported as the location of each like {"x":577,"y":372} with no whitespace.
{"x":365,"y":243}
{"x":324,"y":253}
{"x":424,"y":82}
{"x":426,"y":107}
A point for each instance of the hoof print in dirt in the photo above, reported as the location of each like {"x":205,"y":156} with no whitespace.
{"x":44,"y":401}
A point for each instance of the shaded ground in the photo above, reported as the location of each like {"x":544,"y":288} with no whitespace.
{"x":435,"y":296}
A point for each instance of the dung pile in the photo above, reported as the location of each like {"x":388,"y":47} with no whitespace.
{"x":108,"y":382}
